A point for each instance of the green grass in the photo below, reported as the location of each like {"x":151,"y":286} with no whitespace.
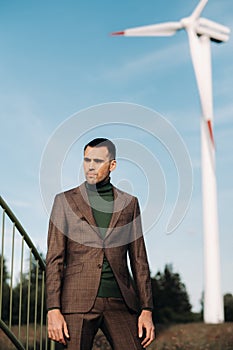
{"x":194,"y":336}
{"x":6,"y":344}
{"x":190,"y":336}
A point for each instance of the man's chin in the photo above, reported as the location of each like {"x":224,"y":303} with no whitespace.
{"x":91,"y":181}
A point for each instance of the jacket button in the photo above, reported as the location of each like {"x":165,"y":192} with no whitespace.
{"x":99,"y":266}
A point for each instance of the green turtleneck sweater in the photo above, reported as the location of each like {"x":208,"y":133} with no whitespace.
{"x":101,"y":200}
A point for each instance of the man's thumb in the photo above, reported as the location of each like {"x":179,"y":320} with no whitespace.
{"x":66,"y":330}
{"x":140,"y":330}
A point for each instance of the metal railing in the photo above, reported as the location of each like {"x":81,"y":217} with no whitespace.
{"x":22,"y":287}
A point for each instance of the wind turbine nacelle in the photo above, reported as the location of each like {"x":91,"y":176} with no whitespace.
{"x":215,"y":31}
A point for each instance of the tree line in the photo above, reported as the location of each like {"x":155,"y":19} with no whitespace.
{"x":170,"y":297}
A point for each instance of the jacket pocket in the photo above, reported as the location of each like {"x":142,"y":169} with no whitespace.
{"x":73,"y":269}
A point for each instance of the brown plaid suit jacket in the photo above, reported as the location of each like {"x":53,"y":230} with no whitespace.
{"x":76,"y":250}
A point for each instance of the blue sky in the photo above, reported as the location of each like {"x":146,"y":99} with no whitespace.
{"x":58,"y":58}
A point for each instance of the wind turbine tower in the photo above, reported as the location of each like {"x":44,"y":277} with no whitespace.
{"x":200,"y":32}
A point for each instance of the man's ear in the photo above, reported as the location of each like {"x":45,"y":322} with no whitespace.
{"x":113,"y":165}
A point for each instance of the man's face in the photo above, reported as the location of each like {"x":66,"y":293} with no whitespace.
{"x":97,"y":164}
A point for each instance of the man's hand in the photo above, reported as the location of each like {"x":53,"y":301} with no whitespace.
{"x":145,"y":323}
{"x":57,"y":327}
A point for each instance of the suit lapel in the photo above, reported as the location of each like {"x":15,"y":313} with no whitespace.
{"x":119,"y":205}
{"x":82,"y":203}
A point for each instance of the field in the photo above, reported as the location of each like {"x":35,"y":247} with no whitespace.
{"x":195,"y":336}
{"x":191,"y":336}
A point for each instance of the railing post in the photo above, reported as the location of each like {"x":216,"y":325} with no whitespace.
{"x":52,"y":345}
{"x":2,"y":262}
{"x":12,"y":273}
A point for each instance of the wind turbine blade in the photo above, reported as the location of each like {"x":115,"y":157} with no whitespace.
{"x":210,"y":129}
{"x":161,"y":29}
{"x":198,"y":10}
{"x":201,"y":57}
{"x":196,"y":56}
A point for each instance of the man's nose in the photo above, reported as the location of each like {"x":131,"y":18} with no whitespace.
{"x":91,"y":165}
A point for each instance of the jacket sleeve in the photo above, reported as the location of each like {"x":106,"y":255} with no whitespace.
{"x":55,"y":258}
{"x":139,"y":262}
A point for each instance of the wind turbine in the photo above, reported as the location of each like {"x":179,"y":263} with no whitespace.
{"x":200,"y":32}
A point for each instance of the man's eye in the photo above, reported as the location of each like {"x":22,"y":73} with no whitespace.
{"x":98,"y":160}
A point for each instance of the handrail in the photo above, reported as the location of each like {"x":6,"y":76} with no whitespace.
{"x":22,"y":231}
{"x":11,"y":336}
{"x":24,"y":305}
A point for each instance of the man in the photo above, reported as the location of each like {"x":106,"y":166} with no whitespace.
{"x":92,"y":229}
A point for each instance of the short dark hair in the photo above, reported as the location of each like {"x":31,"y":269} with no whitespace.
{"x":102,"y":142}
